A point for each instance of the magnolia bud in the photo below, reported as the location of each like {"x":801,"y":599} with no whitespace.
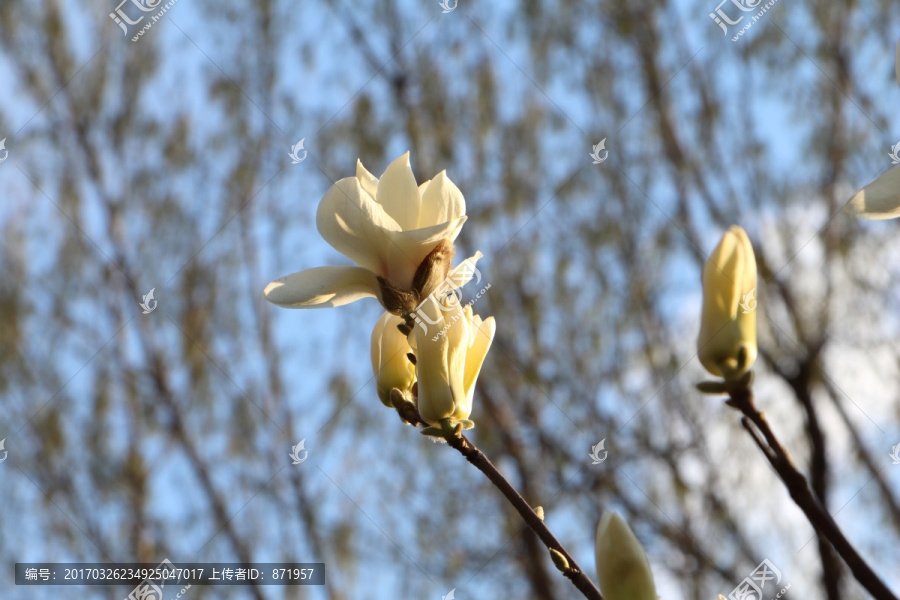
{"x":450,"y":347}
{"x":623,"y":569}
{"x":727,"y":342}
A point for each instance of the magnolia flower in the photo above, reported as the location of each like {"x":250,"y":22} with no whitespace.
{"x":623,"y":569}
{"x":398,"y":233}
{"x":880,"y":199}
{"x":450,"y":344}
{"x":727,"y":342}
{"x":390,"y":363}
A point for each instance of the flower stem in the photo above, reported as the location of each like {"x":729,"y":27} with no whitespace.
{"x":800,"y":492}
{"x":475,"y":456}
{"x":455,"y":439}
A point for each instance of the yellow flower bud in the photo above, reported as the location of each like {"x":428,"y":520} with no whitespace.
{"x":727,"y":342}
{"x":451,"y":344}
{"x":390,"y":363}
{"x":623,"y":569}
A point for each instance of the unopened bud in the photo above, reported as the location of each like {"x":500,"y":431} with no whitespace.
{"x":433,"y":271}
{"x":559,"y":560}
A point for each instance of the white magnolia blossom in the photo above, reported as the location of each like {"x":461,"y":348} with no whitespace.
{"x":880,"y":199}
{"x":623,"y":569}
{"x":390,"y":363}
{"x":387,"y":226}
{"x":727,"y":341}
{"x":450,"y":344}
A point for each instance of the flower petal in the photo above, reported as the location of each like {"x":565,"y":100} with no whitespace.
{"x":408,"y":249}
{"x":368,"y":181}
{"x":440,"y":362}
{"x":322,"y":287}
{"x":355,"y":225}
{"x":398,"y":193}
{"x":390,"y":364}
{"x":463,"y":273}
{"x":441,"y":202}
{"x":482,"y":335}
{"x":880,"y":199}
{"x":725,"y":264}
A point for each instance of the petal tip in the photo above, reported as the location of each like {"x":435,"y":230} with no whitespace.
{"x":271,"y":291}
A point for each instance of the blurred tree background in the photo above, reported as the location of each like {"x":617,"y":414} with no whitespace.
{"x":163,"y":163}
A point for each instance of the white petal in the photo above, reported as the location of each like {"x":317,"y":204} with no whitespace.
{"x":355,"y":225}
{"x":398,"y":193}
{"x":322,"y":287}
{"x":408,"y":249}
{"x":463,"y":273}
{"x":436,"y":400}
{"x":880,"y":199}
{"x":390,"y":365}
{"x":442,"y":201}
{"x":480,"y":342}
{"x":368,"y":181}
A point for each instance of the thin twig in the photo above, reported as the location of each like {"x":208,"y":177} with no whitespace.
{"x":800,"y":492}
{"x":483,"y":464}
{"x":475,"y":456}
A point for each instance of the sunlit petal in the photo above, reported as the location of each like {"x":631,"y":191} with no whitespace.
{"x":322,"y":287}
{"x":398,"y":193}
{"x":880,"y":199}
{"x":355,"y":225}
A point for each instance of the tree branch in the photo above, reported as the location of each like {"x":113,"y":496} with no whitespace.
{"x":755,"y":423}
{"x":475,"y":456}
{"x":461,"y":443}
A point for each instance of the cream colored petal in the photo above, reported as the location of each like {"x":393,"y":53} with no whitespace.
{"x":459,"y":335}
{"x":409,"y":248}
{"x":880,"y":199}
{"x":465,"y":271}
{"x":322,"y":287}
{"x":375,"y":347}
{"x":440,"y":362}
{"x":442,"y":201}
{"x":719,"y":283}
{"x":368,"y":181}
{"x":435,"y":400}
{"x":623,"y":569}
{"x":481,"y":338}
{"x":398,"y":193}
{"x":390,"y":363}
{"x":748,"y":280}
{"x":355,"y":225}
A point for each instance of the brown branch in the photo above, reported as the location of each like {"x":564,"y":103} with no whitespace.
{"x":483,"y":464}
{"x":800,"y":492}
{"x":461,"y":443}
